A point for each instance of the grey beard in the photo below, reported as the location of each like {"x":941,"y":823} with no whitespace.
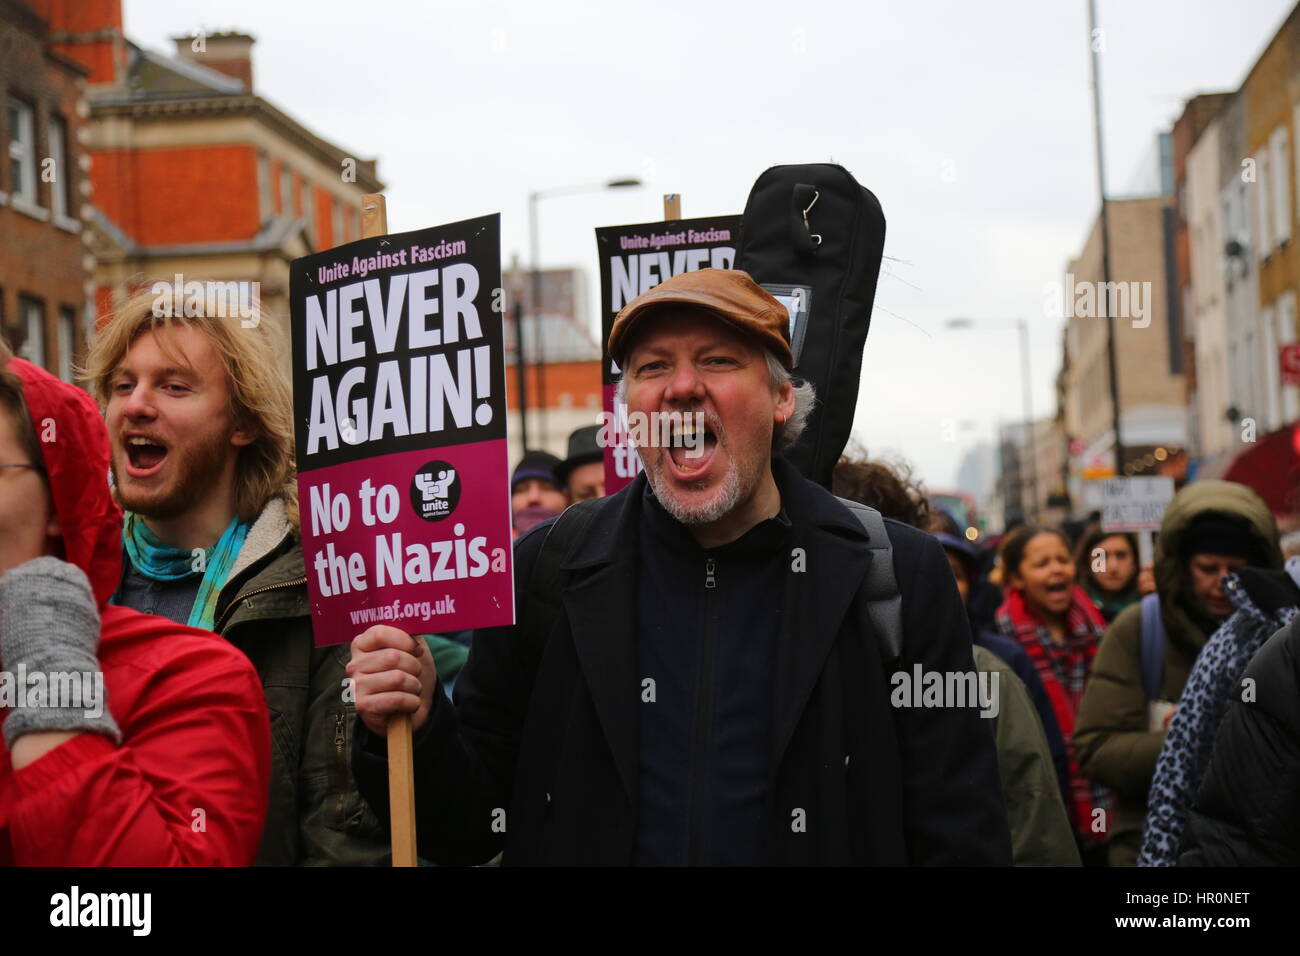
{"x":728,"y":496}
{"x":727,"y":499}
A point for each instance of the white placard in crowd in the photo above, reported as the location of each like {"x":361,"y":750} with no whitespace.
{"x":1135,"y":504}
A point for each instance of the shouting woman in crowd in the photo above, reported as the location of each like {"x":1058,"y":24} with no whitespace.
{"x":1059,"y":628}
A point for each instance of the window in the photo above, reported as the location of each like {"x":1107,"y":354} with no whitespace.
{"x":31,"y":318}
{"x":1263,"y":234}
{"x":309,"y":212}
{"x":263,"y":187}
{"x":62,"y":198}
{"x":1248,"y":381}
{"x":1295,"y":124}
{"x":337,"y":221}
{"x":1271,"y":406}
{"x":1242,"y":194}
{"x":1231,"y":228}
{"x":1220,"y":255}
{"x":286,"y":192}
{"x":22,"y":151}
{"x":1196,"y":246}
{"x":1281,"y":186}
{"x":67,"y":340}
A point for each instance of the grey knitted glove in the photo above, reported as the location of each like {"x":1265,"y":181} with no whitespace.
{"x":49,"y":632}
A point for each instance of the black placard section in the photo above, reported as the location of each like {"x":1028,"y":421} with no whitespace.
{"x":638,"y":257}
{"x":395,"y":344}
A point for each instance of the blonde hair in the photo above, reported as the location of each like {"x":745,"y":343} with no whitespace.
{"x":261,"y":401}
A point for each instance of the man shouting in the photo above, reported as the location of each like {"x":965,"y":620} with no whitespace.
{"x":694,"y":678}
{"x":201,"y":423}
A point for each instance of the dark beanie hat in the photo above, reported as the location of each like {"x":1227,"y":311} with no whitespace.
{"x":965,"y":552}
{"x":535,"y":464}
{"x":1216,"y":533}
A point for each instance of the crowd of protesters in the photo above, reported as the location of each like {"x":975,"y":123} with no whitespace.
{"x":711,"y":667}
{"x":1137,"y":700}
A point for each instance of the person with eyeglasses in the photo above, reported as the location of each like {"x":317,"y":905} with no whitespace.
{"x":127,"y":740}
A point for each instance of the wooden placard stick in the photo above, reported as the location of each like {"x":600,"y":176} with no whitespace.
{"x":672,"y":206}
{"x":401,"y":751}
{"x":1146,"y":549}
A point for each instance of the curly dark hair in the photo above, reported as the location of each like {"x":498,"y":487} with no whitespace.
{"x":1013,"y":547}
{"x":890,"y":489}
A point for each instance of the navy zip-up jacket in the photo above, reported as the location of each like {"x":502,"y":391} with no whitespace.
{"x":707,"y":624}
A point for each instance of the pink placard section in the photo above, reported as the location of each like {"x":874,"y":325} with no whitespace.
{"x":622,"y":463}
{"x":418,"y":540}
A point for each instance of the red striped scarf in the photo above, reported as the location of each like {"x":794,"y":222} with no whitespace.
{"x":1064,"y":669}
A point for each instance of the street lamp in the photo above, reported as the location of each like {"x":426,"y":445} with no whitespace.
{"x":1023,"y":327}
{"x":536,"y":281}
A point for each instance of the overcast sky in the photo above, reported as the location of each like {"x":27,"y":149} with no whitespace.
{"x":970,"y":121}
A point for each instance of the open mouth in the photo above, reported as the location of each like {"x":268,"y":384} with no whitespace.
{"x":692,"y":443}
{"x":1058,"y":589}
{"x":144,"y":455}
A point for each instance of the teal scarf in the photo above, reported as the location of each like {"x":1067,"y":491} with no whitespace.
{"x":1109,"y":603}
{"x":162,"y":562}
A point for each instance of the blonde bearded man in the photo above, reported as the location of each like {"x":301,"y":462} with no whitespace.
{"x":200,"y":420}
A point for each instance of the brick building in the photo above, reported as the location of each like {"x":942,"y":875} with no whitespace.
{"x":1271,"y":101}
{"x":562,"y":360}
{"x":1239,"y":197}
{"x":44,"y":268}
{"x":1198,"y":224}
{"x":1148,"y":347}
{"x":195,"y":173}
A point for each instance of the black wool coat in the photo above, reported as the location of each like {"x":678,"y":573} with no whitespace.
{"x":539,"y":758}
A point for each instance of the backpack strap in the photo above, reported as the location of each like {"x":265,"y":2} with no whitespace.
{"x":884,"y":602}
{"x":1152,"y":649}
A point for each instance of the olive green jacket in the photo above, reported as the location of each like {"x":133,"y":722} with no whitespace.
{"x":315,"y":815}
{"x":1111,"y":736}
{"x":1040,"y":830}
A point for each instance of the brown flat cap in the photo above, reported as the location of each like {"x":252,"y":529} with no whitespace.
{"x":729,"y":294}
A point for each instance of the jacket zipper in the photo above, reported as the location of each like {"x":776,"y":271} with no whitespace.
{"x":225,"y":615}
{"x":340,"y":765}
{"x":703,"y":723}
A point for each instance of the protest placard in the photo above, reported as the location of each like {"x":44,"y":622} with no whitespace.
{"x":1136,"y":504}
{"x":633,"y":259}
{"x":399,"y":402}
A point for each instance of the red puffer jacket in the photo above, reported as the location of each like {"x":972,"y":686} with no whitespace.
{"x":188,"y":785}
